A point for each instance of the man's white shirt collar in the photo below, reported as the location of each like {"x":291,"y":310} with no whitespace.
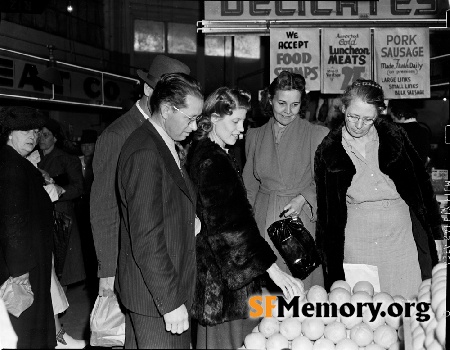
{"x":168,"y":140}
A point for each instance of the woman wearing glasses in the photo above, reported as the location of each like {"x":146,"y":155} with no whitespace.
{"x":370,"y":182}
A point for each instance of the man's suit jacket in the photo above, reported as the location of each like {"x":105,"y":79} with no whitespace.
{"x":105,"y":219}
{"x":156,"y":266}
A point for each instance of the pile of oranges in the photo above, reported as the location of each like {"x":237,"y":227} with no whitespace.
{"x":430,"y":335}
{"x":355,"y":332}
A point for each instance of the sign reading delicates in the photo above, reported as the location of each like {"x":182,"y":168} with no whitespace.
{"x":338,"y":10}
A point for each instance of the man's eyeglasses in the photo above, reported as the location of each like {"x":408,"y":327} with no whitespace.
{"x":195,"y":118}
{"x":355,"y":119}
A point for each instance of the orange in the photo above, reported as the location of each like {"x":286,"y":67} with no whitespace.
{"x":301,"y":343}
{"x":435,"y":346}
{"x":437,"y":267}
{"x":313,"y":328}
{"x":399,"y":299}
{"x":287,"y":313}
{"x":426,"y":282}
{"x":339,"y":296}
{"x":361,"y":334}
{"x":317,"y":294}
{"x":277,"y":342}
{"x":363,"y":286}
{"x":374,"y":324}
{"x":441,"y":309}
{"x":384,"y":298}
{"x":393,"y":321}
{"x":396,"y":346}
{"x":360,"y":297}
{"x":340,"y":284}
{"x":350,"y":321}
{"x":323,"y":344}
{"x":290,"y":328}
{"x":269,"y":326}
{"x":335,"y":331}
{"x":438,"y":274}
{"x":330,"y":318}
{"x":255,"y":341}
{"x":385,"y":336}
{"x":346,"y":344}
{"x":440,"y":331}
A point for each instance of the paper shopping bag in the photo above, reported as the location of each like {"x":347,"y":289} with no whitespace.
{"x":362,"y":272}
{"x":17,"y":297}
{"x":107,"y":323}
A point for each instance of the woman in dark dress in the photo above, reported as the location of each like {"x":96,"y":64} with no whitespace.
{"x":26,"y":223}
{"x":65,"y":170}
{"x":232,"y":256}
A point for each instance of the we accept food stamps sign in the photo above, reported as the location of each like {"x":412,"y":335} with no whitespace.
{"x":346,"y":56}
{"x":298,"y":51}
{"x":402,"y":59}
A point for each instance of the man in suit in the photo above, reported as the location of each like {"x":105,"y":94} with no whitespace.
{"x":156,"y":267}
{"x":104,"y":214}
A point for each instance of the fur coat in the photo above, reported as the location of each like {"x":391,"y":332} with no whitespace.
{"x":232,"y":256}
{"x":398,"y":159}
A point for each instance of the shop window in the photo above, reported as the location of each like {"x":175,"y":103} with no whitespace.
{"x":149,"y":36}
{"x":218,"y":46}
{"x":247,"y":46}
{"x":181,"y":38}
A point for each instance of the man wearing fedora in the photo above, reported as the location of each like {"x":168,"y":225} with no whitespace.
{"x":105,"y":218}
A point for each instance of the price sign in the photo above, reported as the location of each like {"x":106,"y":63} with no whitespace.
{"x":346,"y":56}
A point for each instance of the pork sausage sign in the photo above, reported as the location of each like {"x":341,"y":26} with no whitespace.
{"x":402,"y":59}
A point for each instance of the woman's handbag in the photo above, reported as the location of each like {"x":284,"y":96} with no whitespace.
{"x":61,"y":235}
{"x":296,"y":245}
{"x":107,"y":323}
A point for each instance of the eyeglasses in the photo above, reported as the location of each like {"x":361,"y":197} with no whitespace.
{"x":195,"y":118}
{"x":355,"y":119}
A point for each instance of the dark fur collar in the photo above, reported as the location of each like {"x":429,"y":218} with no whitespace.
{"x":391,"y":145}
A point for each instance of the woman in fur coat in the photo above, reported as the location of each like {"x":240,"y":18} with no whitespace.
{"x":373,"y":193}
{"x":232,"y":256}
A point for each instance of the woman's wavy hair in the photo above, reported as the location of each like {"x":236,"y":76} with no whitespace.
{"x":173,"y":88}
{"x":284,"y":81}
{"x":368,"y":91}
{"x":223,"y":101}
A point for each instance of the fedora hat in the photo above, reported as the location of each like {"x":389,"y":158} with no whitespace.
{"x":162,"y":65}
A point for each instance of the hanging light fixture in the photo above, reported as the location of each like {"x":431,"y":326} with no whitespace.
{"x":69,"y":7}
{"x":51,"y":74}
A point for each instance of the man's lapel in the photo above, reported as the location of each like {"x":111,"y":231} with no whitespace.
{"x":168,"y":160}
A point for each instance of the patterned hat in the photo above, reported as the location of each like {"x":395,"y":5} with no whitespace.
{"x":21,"y":118}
